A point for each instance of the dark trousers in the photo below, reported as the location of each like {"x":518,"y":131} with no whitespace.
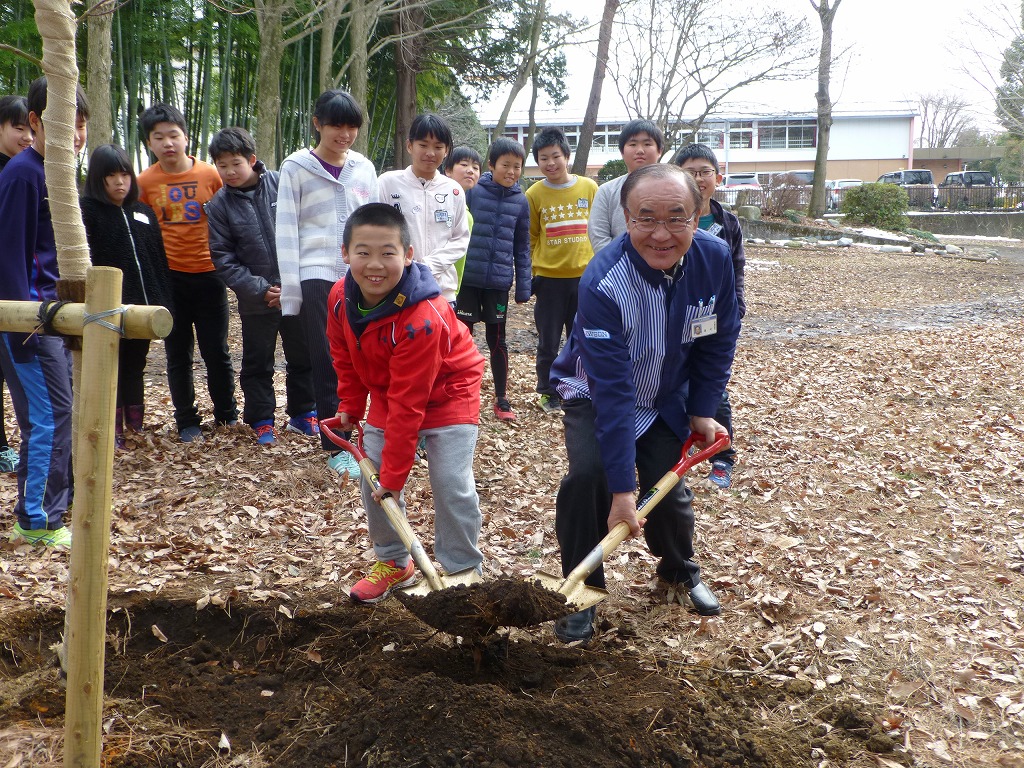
{"x":3,"y":427}
{"x":40,"y":390}
{"x":200,"y":302}
{"x":724,"y":417}
{"x":498,"y":347}
{"x":259,"y":348}
{"x":553,"y":312}
{"x":583,"y":501}
{"x":131,"y":365}
{"x":313,"y":317}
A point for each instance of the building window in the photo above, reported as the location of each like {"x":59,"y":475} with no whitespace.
{"x":787,"y":134}
{"x":741,"y":135}
{"x":711,"y":138}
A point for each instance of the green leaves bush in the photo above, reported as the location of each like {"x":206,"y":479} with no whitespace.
{"x":877,"y":205}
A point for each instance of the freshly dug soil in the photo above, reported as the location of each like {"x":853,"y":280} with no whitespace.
{"x":352,"y":686}
{"x":477,"y":610}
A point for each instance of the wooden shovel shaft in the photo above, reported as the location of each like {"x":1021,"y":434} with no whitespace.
{"x":394,"y":512}
{"x":620,"y":532}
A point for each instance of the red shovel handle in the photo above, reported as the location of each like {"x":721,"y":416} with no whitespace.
{"x":332,"y":428}
{"x":689,"y":460}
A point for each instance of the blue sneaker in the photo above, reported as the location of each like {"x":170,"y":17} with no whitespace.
{"x":721,"y":474}
{"x":343,"y":463}
{"x":190,"y":435}
{"x":9,"y":460}
{"x":265,"y":432}
{"x":306,"y":424}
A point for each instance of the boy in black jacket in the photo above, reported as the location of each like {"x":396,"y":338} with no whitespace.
{"x":241,"y":217}
{"x":700,"y":162}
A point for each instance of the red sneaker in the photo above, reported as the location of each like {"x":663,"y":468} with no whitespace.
{"x":503,"y":410}
{"x":382,"y":578}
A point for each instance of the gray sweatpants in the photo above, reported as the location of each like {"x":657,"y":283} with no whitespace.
{"x":457,"y":516}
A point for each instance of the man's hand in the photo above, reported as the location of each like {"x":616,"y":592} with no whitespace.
{"x":708,"y":427}
{"x":381,"y":492}
{"x":624,"y":511}
{"x":273,"y":297}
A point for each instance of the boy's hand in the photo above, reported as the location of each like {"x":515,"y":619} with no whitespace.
{"x":381,"y":492}
{"x":346,"y":425}
{"x":273,"y":297}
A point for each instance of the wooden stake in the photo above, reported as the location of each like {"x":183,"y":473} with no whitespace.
{"x":94,"y":464}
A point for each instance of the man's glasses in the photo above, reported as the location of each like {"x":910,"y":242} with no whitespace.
{"x":672,"y":224}
{"x":703,"y":173}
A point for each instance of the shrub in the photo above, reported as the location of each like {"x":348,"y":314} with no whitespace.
{"x":782,"y":193}
{"x":611,"y":170}
{"x":921,"y":234}
{"x":877,"y":205}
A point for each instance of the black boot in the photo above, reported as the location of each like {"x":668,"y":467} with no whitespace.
{"x":577,"y":626}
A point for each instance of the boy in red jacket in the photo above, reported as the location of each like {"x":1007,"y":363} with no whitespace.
{"x":395,"y":339}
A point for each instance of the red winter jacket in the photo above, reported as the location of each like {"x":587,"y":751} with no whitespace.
{"x":416,"y":361}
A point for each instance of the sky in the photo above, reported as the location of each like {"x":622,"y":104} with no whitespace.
{"x":893,"y":50}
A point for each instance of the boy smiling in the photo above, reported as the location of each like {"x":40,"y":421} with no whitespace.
{"x":433,"y":204}
{"x":396,"y":341}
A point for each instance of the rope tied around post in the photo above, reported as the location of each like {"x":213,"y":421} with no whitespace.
{"x":47,"y":313}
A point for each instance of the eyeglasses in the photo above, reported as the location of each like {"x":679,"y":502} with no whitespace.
{"x":703,"y":173}
{"x":672,"y":224}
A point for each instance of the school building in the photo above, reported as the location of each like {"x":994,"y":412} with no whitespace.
{"x":863,"y":144}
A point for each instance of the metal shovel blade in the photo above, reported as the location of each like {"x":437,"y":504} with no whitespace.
{"x":578,"y":594}
{"x":459,"y":578}
{"x":582,"y":596}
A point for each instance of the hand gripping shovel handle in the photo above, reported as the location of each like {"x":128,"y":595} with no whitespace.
{"x":668,"y":481}
{"x":394,"y":512}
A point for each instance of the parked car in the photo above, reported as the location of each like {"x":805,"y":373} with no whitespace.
{"x":967,"y":189}
{"x":834,"y":191}
{"x":741,"y":181}
{"x":919,"y":184}
{"x":737,"y":187}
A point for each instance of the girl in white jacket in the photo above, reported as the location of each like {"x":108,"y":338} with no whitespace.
{"x":433,"y":205}
{"x":319,"y":189}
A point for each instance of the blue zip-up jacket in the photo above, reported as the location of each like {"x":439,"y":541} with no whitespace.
{"x":28,"y":250}
{"x":499,"y":247}
{"x":633,"y":350}
{"x":243,"y":245}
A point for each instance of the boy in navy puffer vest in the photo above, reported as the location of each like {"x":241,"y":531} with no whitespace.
{"x":498,"y":255}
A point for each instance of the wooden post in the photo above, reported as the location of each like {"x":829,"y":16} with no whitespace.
{"x":94,"y":464}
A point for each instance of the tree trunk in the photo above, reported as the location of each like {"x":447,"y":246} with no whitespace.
{"x":358,"y":70}
{"x":98,"y":71}
{"x":407,"y":56}
{"x":332,"y":13}
{"x":270,"y":21}
{"x":604,"y":39}
{"x":525,"y":70}
{"x":826,"y":15}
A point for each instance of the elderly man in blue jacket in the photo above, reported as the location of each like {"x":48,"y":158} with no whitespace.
{"x":650,"y":355}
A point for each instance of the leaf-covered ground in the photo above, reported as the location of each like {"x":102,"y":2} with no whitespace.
{"x":869,"y":558}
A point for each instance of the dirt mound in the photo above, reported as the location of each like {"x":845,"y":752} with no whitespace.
{"x":477,"y":610}
{"x":344,"y":686}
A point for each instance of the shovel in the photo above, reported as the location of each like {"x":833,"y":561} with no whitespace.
{"x":434,"y":581}
{"x":582,"y":596}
